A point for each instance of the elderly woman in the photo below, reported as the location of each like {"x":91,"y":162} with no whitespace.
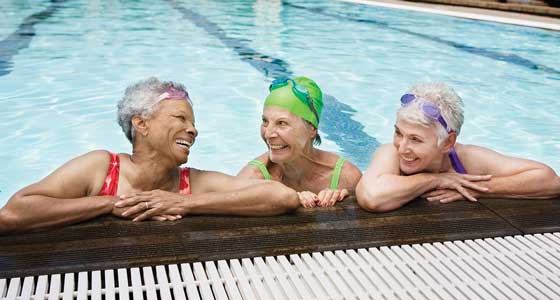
{"x":290,"y":120}
{"x":425,"y":160}
{"x":157,"y":118}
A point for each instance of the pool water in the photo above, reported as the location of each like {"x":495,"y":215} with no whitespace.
{"x":65,"y":64}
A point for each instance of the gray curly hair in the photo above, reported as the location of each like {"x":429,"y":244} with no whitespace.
{"x":445,"y":98}
{"x":139,"y":100}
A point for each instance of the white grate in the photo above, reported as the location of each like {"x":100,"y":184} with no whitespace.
{"x":518,"y":267}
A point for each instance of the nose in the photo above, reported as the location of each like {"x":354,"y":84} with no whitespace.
{"x":270,"y":131}
{"x":191,"y":130}
{"x":403,"y":146}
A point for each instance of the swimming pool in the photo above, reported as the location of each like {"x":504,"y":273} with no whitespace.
{"x":64,"y":65}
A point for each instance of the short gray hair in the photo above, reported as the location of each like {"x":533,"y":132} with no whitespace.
{"x":444,"y":97}
{"x":139,"y":100}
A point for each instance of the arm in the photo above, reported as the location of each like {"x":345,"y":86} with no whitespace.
{"x":216,"y":193}
{"x":514,"y":178}
{"x":60,"y":198}
{"x":381,"y":188}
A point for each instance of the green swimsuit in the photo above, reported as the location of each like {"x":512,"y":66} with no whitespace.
{"x":334,"y":179}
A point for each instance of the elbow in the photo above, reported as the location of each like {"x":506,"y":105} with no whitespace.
{"x":8,"y":221}
{"x":287,"y":199}
{"x":372,"y":202}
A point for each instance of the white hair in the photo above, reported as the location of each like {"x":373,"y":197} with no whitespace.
{"x":139,"y":100}
{"x":445,"y":98}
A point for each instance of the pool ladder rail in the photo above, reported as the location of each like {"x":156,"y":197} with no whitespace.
{"x":513,"y":267}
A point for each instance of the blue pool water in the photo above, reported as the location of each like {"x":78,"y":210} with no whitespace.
{"x":64,"y":65}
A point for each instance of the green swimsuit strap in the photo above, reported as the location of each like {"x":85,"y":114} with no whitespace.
{"x":259,"y":164}
{"x":336,"y":173}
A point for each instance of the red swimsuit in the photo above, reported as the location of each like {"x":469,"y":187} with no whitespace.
{"x":112,"y":180}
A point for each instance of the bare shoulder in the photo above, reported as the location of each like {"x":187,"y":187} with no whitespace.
{"x":350,"y":175}
{"x":251,"y":171}
{"x":482,"y":160}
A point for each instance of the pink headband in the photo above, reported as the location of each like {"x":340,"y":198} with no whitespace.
{"x":174,"y":94}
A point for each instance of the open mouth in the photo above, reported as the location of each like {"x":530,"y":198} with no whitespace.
{"x":183,"y":143}
{"x":277,"y":147}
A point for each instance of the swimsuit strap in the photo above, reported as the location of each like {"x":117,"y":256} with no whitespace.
{"x":336,"y":173}
{"x":184,"y":186}
{"x":111,"y":183}
{"x":259,"y":164}
{"x":456,"y":163}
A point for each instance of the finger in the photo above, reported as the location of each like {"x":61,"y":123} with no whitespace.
{"x":321,"y":196}
{"x":343,"y":194}
{"x":147,"y":214}
{"x":434,"y":193}
{"x":334,"y":197}
{"x":452,"y":198}
{"x":437,"y":198}
{"x":130,"y":201}
{"x":474,"y":186}
{"x":477,"y":177}
{"x":465,"y":193}
{"x":158,"y":218}
{"x":136,"y":209}
{"x":306,"y":200}
{"x":327,"y":195}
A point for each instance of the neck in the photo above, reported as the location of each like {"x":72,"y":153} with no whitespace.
{"x":305,"y":166}
{"x":162,"y":171}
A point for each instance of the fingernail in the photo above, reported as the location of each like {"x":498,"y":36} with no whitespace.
{"x":122,"y":196}
{"x":125,"y":213}
{"x":118,"y":204}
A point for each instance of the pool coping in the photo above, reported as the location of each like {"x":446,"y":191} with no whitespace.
{"x":109,"y":243}
{"x":511,"y":18}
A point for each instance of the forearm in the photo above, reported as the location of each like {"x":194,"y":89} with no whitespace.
{"x":270,"y":198}
{"x":25,"y":213}
{"x":532,"y":184}
{"x":388,"y":192}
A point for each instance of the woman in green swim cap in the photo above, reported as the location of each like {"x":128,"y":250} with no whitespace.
{"x":290,"y":119}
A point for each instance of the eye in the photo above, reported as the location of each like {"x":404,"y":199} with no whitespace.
{"x":182,"y":118}
{"x":416,"y":139}
{"x":282,"y":123}
{"x":264,"y":122}
{"x":398,"y":133}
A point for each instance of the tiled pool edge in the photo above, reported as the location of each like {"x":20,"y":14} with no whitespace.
{"x":431,"y":8}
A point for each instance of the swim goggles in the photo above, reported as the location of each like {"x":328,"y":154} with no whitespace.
{"x":174,"y":94}
{"x":300,"y":91}
{"x":428,"y":108}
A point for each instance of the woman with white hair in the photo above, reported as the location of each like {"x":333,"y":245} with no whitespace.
{"x":425,"y":160}
{"x":157,"y":118}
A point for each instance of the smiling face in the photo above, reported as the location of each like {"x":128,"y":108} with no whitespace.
{"x":285,"y":134}
{"x":418,"y":148}
{"x":171,"y":129}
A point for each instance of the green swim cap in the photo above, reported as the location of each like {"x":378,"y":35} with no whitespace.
{"x":295,"y":99}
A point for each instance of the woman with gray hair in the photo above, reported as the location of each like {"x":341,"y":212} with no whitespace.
{"x":157,"y":118}
{"x":425,"y":160}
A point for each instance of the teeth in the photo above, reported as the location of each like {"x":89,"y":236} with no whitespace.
{"x":408,"y":159}
{"x":183,"y":142}
{"x":277,"y":147}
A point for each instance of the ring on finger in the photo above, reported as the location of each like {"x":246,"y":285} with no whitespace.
{"x":147,"y":206}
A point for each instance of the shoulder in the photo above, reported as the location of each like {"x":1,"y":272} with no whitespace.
{"x":350,"y":175}
{"x":252,"y":171}
{"x":482,"y":160}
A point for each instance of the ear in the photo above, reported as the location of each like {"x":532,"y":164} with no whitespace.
{"x":140,"y":125}
{"x":449,"y":142}
{"x":312,"y":132}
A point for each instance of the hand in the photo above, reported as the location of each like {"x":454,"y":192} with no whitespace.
{"x":328,"y":197}
{"x":308,"y":199}
{"x":446,"y":196}
{"x":157,"y":204}
{"x":462,"y":182}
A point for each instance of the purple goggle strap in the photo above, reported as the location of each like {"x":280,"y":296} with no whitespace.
{"x":456,"y":163}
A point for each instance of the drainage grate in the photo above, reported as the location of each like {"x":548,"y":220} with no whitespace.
{"x":517,"y":267}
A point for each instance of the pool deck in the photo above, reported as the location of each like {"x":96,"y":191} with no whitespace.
{"x":110,"y":243}
{"x":454,"y":8}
